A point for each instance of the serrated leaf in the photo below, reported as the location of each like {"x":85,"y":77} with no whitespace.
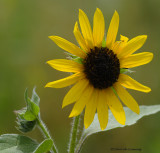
{"x":45,"y":146}
{"x":35,"y":98}
{"x":14,"y":143}
{"x":131,"y":118}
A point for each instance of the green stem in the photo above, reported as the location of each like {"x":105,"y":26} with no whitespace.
{"x":80,"y":143}
{"x":74,"y":132}
{"x":46,"y":133}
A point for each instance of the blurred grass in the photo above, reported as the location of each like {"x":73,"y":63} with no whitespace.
{"x":25,"y":48}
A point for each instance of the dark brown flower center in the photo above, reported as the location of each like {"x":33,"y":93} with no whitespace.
{"x":102,"y":67}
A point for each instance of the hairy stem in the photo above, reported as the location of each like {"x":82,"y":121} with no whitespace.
{"x":74,"y":132}
{"x":46,"y":133}
{"x":80,"y":143}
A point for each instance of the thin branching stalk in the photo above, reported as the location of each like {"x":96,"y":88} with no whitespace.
{"x":74,"y":133}
{"x":46,"y":133}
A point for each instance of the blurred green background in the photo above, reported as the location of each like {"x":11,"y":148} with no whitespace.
{"x":25,"y":47}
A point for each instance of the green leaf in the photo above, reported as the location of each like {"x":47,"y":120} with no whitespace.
{"x":29,"y":116}
{"x":26,"y":117}
{"x":32,"y":111}
{"x":78,"y":60}
{"x":123,"y":70}
{"x":131,"y":118}
{"x":14,"y":143}
{"x":33,"y":107}
{"x":35,"y":98}
{"x":45,"y":146}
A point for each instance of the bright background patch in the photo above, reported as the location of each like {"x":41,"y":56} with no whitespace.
{"x":25,"y":47}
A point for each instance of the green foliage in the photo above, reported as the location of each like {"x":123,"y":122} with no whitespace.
{"x":78,"y":60}
{"x":35,"y":98}
{"x":45,"y":146}
{"x":25,"y":126}
{"x":32,"y":106}
{"x":123,"y":70}
{"x":131,"y":118}
{"x":26,"y":117}
{"x":29,"y":117}
{"x":32,"y":111}
{"x":14,"y":143}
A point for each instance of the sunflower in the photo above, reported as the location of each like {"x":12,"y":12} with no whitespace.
{"x":98,"y":67}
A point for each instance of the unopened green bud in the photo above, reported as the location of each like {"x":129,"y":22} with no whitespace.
{"x":24,"y":125}
{"x":27,"y":117}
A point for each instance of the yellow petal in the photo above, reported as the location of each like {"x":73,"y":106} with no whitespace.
{"x":80,"y":39}
{"x":86,"y":28}
{"x":80,"y":104}
{"x":68,"y":46}
{"x":136,"y":60}
{"x":130,"y":83}
{"x":65,"y":81}
{"x":123,"y":38}
{"x":102,"y":109}
{"x":115,"y":106}
{"x":115,"y":47}
{"x":127,"y":99}
{"x":98,"y":28}
{"x":132,"y":45}
{"x":75,"y":92}
{"x":112,"y":31}
{"x":65,"y":65}
{"x":119,"y":45}
{"x":90,"y":109}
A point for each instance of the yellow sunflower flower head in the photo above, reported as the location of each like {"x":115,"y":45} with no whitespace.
{"x":99,"y":83}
